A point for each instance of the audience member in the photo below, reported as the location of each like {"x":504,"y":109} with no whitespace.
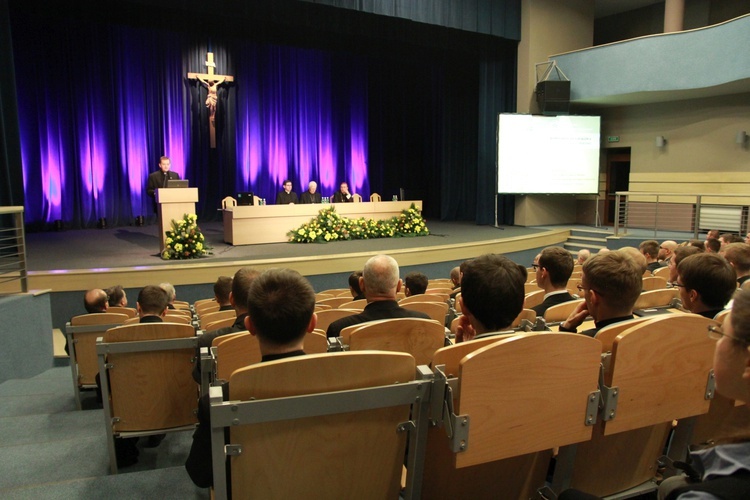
{"x":583,"y":255}
{"x":116,"y":296}
{"x":713,"y":245}
{"x":152,"y":304}
{"x":171,"y":292}
{"x":679,"y":254}
{"x":723,"y":469}
{"x":747,"y":238}
{"x":287,"y":196}
{"x":492,"y":296}
{"x":456,"y":277}
{"x":415,"y":283}
{"x":311,"y":195}
{"x":729,"y":238}
{"x":343,"y":195}
{"x":222,"y":291}
{"x":281,"y":304}
{"x":354,"y":288}
{"x":95,"y":301}
{"x":637,"y":256}
{"x":700,"y":245}
{"x":707,"y":282}
{"x":650,"y":250}
{"x":379,"y":283}
{"x":713,"y":233}
{"x":552,"y":275}
{"x":610,"y":284}
{"x":738,"y":256}
{"x":666,"y":250}
{"x":603,"y":250}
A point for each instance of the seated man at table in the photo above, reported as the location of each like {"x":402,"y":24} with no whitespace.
{"x":706,"y":282}
{"x":492,"y":295}
{"x":287,"y":196}
{"x":610,"y":284}
{"x":553,"y":270}
{"x":380,"y":284}
{"x":281,"y":305}
{"x":343,"y":195}
{"x":311,"y":195}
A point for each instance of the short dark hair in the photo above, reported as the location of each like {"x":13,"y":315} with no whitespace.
{"x":115,"y":294}
{"x":682,"y":252}
{"x":738,"y":254}
{"x":711,"y":276}
{"x":699,"y":244}
{"x":241,"y":285}
{"x":559,"y":264}
{"x":650,"y":248}
{"x":285,"y":181}
{"x":492,"y":289}
{"x":95,"y":301}
{"x":713,"y":244}
{"x":416,"y":282}
{"x":741,"y":315}
{"x":153,"y":299}
{"x":222,"y":289}
{"x":616,"y":276}
{"x":280,"y":305}
{"x":354,"y":282}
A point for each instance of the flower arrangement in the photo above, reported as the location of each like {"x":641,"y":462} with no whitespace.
{"x":185,"y":240}
{"x":330,"y":226}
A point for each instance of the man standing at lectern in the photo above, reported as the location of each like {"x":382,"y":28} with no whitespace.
{"x":159,"y":178}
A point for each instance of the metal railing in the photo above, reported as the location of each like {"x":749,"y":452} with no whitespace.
{"x":683,"y":212}
{"x":12,"y":250}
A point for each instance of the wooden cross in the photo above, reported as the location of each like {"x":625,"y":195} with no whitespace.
{"x":212,"y":82}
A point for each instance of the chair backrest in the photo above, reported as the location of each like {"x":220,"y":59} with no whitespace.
{"x":375,"y":197}
{"x":662,"y":272}
{"x":228,"y":201}
{"x":200,"y":302}
{"x":322,"y":307}
{"x":457,"y":303}
{"x":359,"y":305}
{"x":530,"y":274}
{"x":220,"y":323}
{"x":207,"y":318}
{"x":206,"y":307}
{"x":177,"y":318}
{"x":726,"y":419}
{"x":721,"y":316}
{"x":373,"y":452}
{"x":328,"y":316}
{"x":576,"y":274}
{"x":151,"y":389}
{"x":357,"y":198}
{"x":180,"y":312}
{"x":316,"y":343}
{"x":419,"y":337}
{"x":656,"y":298}
{"x":530,"y":287}
{"x":435,"y":310}
{"x":334,"y":302}
{"x":572,"y":286}
{"x":533,"y":299}
{"x":321,"y":296}
{"x":525,"y":314}
{"x":336,"y":292}
{"x":235,"y":351}
{"x":130,"y":312}
{"x":608,"y":334}
{"x":181,"y":304}
{"x":452,"y":355}
{"x":439,"y":290}
{"x":654,"y":283}
{"x":83,"y":353}
{"x":423,"y":297}
{"x":560,"y":312}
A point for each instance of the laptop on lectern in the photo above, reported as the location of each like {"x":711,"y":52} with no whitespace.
{"x":178,"y":183}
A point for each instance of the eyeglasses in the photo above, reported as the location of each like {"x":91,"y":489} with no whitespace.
{"x":715,"y":332}
{"x":581,"y":289}
{"x":679,"y":285}
{"x":536,"y":266}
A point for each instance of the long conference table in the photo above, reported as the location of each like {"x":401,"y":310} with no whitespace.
{"x":258,"y":224}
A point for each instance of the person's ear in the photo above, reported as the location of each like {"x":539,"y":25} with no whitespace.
{"x":249,"y":325}
{"x":362,"y":284}
{"x":313,"y":323}
{"x":164,"y":312}
{"x":398,"y":286}
{"x":138,"y":308}
{"x":231,"y":299}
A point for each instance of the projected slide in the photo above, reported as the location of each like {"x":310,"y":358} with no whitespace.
{"x":548,"y":154}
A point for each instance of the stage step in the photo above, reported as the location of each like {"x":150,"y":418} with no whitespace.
{"x":591,"y":239}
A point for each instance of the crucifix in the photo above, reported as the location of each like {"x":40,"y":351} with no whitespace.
{"x":211,"y":81}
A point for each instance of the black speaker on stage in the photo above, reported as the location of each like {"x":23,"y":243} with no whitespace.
{"x":553,"y":97}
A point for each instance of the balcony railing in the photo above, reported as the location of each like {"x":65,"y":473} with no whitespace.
{"x":13,"y":277}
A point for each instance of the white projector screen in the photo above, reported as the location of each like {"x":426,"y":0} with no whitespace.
{"x":547,"y":154}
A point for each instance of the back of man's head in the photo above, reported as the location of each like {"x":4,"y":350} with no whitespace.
{"x":738,"y":255}
{"x":711,"y":276}
{"x":699,"y":244}
{"x":559,"y":264}
{"x":637,"y":256}
{"x":115,"y":295}
{"x":280,"y":305}
{"x":456,"y":276}
{"x":381,"y":277}
{"x":171,"y":292}
{"x":583,"y":255}
{"x":649,"y":248}
{"x":152,"y":301}
{"x":241,"y":283}
{"x":617,"y":279}
{"x":416,"y":283}
{"x":222,"y":289}
{"x":95,"y":301}
{"x":354,"y":283}
{"x":713,"y":245}
{"x":683,"y":252}
{"x":492,"y":290}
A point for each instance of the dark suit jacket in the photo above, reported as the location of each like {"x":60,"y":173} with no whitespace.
{"x":381,"y":309}
{"x":285,"y":199}
{"x":553,"y":300}
{"x":308,"y":198}
{"x":340,"y":198}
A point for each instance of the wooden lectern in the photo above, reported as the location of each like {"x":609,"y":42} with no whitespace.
{"x":173,"y":204}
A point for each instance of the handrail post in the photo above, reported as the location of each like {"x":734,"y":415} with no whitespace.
{"x":617,"y":213}
{"x":697,"y":222}
{"x":656,"y":216}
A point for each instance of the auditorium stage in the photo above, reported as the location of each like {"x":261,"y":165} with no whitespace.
{"x":73,"y":259}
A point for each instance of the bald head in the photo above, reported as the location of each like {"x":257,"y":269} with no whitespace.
{"x":583,"y":255}
{"x":666,"y":249}
{"x":95,"y":301}
{"x":380,"y":279}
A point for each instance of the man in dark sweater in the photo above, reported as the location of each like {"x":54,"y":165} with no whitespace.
{"x":281,"y":305}
{"x":380,"y":284}
{"x":706,"y":282}
{"x":552,"y":274}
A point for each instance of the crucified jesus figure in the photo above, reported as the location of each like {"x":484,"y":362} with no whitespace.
{"x":212,"y":86}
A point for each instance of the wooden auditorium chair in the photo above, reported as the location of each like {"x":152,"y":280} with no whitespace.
{"x":234,"y":351}
{"x":321,"y":307}
{"x":81,"y":333}
{"x":228,"y":201}
{"x":423,"y":297}
{"x":656,"y":298}
{"x":358,"y":305}
{"x":530,"y":287}
{"x":335,"y":302}
{"x":130,"y":312}
{"x":181,"y":304}
{"x":528,"y":315}
{"x":416,"y":336}
{"x":608,"y":334}
{"x":560,"y":312}
{"x":662,"y":272}
{"x":220,"y":323}
{"x":345,"y":439}
{"x":654,"y":283}
{"x":435,"y":310}
{"x":328,"y":316}
{"x":322,"y":295}
{"x":146,"y":377}
{"x":357,"y":198}
{"x":375,"y":197}
{"x":658,"y":371}
{"x":177,"y":318}
{"x":207,"y":318}
{"x":200,"y":302}
{"x":513,"y":399}
{"x":206,"y":307}
{"x":533,"y":299}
